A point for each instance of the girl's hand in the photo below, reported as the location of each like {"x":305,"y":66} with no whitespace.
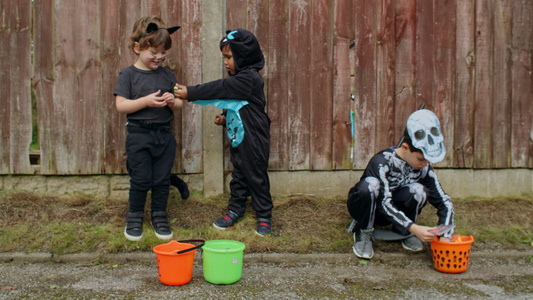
{"x":153,"y":100}
{"x":180,"y":91}
{"x":220,"y":120}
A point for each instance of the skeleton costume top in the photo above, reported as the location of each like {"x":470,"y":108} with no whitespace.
{"x":394,"y":173}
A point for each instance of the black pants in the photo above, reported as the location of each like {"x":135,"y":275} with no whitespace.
{"x":365,"y":207}
{"x":151,"y":155}
{"x":250,"y":178}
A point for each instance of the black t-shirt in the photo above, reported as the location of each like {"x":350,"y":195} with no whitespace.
{"x":134,"y":83}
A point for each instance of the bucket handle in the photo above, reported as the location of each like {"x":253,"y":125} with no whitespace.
{"x":193,"y":248}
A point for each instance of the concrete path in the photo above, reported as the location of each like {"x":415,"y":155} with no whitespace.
{"x":491,"y":275}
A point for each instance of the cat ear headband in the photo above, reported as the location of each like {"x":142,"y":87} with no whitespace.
{"x":153,"y":27}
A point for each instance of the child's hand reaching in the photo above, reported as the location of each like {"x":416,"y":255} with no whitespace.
{"x":180,"y":91}
{"x":220,"y":120}
{"x":423,"y":233}
{"x":173,"y":103}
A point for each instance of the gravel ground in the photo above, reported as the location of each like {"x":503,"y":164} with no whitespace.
{"x":491,"y":275}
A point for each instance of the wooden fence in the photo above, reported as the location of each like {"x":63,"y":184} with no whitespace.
{"x":469,"y":61}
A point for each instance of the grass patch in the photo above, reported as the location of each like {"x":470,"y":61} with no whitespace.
{"x":75,"y":224}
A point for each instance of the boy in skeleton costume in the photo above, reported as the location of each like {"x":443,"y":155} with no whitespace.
{"x":397,"y":183}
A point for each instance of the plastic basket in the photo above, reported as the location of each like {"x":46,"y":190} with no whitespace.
{"x":452,"y":257}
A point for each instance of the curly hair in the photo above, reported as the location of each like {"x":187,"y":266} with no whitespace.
{"x":155,"y":39}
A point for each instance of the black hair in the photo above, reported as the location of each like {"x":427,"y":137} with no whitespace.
{"x":223,"y":43}
{"x":407,"y":139}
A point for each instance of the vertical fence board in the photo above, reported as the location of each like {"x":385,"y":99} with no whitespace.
{"x":5,"y":86}
{"x":463,"y":144}
{"x":111,"y":151}
{"x":501,"y":113}
{"x":385,"y":61}
{"x":278,"y":84}
{"x":257,"y":21}
{"x":191,"y":73}
{"x":522,"y":85}
{"x":405,"y":84}
{"x":87,"y":66}
{"x":236,"y":14}
{"x":365,"y":83}
{"x":342,"y":103}
{"x":299,"y":78}
{"x":425,"y":51}
{"x":20,"y":91}
{"x":76,"y":89}
{"x":484,"y":89}
{"x":321,"y":85}
{"x":170,"y":12}
{"x":444,"y":19}
{"x":15,"y":75}
{"x":44,"y":77}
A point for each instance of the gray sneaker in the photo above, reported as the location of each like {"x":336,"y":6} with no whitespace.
{"x":412,"y":243}
{"x":362,"y":246}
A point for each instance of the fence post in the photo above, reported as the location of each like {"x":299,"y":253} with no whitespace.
{"x":213,"y":13}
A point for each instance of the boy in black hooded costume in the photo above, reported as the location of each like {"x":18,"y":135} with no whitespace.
{"x":243,"y":59}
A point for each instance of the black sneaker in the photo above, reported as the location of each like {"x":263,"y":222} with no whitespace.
{"x":161,"y":226}
{"x":227,"y":221}
{"x":180,"y":185}
{"x":134,"y":226}
{"x":264,"y":226}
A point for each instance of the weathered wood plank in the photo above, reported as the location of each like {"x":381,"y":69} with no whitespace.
{"x":190,"y":66}
{"x":425,"y":54}
{"x":20,"y":95}
{"x":522,"y":85}
{"x":76,"y":88}
{"x":484,"y":89}
{"x":15,"y":81}
{"x":299,"y":78}
{"x":5,"y":86}
{"x":236,"y":14}
{"x":501,"y":113}
{"x":44,"y":78}
{"x":111,"y":154}
{"x":404,"y":76}
{"x":385,"y":62}
{"x":278,"y":84}
{"x":463,"y":133}
{"x":365,"y":83}
{"x":321,"y":85}
{"x":342,"y":103}
{"x":444,"y":73}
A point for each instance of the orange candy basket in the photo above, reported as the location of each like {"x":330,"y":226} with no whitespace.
{"x":452,"y":257}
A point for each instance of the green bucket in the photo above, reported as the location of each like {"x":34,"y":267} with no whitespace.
{"x":222,"y":261}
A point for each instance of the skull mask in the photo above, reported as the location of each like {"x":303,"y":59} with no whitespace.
{"x":423,"y":128}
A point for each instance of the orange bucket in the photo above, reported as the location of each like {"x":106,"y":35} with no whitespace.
{"x":175,"y":261}
{"x":452,"y":257}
